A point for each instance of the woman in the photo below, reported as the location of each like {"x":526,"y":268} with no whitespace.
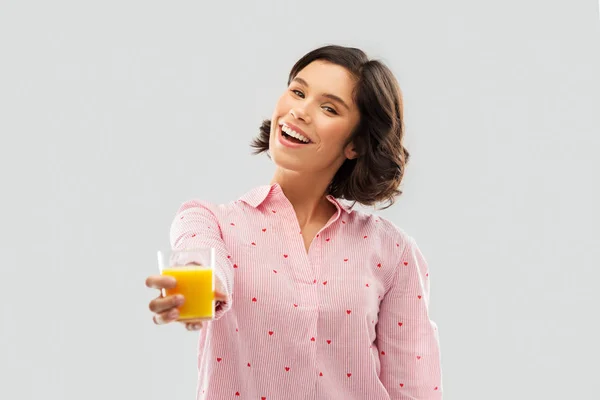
{"x":316,"y":301}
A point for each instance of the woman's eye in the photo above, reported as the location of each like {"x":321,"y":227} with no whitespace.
{"x":331,"y":110}
{"x":298,"y":93}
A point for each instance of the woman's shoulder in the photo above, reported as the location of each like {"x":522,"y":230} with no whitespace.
{"x":222,"y":209}
{"x":198,"y":204}
{"x":380,"y":227}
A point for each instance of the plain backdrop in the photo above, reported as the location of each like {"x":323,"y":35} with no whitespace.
{"x":113,"y":113}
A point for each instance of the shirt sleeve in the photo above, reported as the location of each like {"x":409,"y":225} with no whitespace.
{"x":196,"y":225}
{"x":407,"y":339}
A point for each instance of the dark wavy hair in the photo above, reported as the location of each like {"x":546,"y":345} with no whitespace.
{"x":375,"y":175}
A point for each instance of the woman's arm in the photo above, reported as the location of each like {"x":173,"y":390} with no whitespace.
{"x":407,"y":339}
{"x":196,"y":225}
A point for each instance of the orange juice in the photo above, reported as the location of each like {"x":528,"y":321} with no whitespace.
{"x":196,"y":286}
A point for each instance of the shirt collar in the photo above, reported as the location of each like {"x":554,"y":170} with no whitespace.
{"x":258,"y":195}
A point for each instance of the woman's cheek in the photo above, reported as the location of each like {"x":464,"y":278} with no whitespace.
{"x":331,"y":129}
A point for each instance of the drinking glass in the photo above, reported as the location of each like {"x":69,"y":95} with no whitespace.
{"x":193,"y":271}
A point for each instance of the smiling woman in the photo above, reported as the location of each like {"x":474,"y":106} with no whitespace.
{"x":348,"y":101}
{"x":316,"y":300}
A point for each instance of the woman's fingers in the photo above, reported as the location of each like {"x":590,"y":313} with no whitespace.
{"x":166,"y":309}
{"x":162,"y":304}
{"x":161,"y":282}
{"x":193,"y":325}
{"x":166,"y":316}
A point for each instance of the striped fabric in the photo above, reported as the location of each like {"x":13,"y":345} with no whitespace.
{"x":347,"y":320}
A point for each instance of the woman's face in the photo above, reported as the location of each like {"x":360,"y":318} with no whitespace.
{"x":318,"y":109}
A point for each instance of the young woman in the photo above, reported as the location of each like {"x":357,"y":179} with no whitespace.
{"x":316,"y":300}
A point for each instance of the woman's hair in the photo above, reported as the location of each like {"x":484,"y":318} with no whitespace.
{"x":375,"y":175}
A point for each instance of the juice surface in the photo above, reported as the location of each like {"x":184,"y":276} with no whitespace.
{"x":196,"y":286}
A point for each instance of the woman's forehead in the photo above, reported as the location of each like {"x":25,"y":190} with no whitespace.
{"x":329,"y":78}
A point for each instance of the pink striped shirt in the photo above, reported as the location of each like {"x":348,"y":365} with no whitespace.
{"x":347,"y":320}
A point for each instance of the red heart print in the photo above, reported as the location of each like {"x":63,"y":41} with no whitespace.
{"x":427,"y":274}
{"x":399,"y":323}
{"x":287,"y":368}
{"x":315,"y":281}
{"x":328,"y":341}
{"x":349,"y":374}
{"x":345,"y":259}
{"x":348,"y":311}
{"x":364,"y":237}
{"x":320,"y":374}
{"x":237,"y":393}
{"x":270,"y":333}
{"x":194,"y":235}
{"x":254,"y":299}
{"x":328,"y":239}
{"x":275,"y":271}
{"x":318,"y":235}
{"x":367,"y":285}
{"x":237,"y":330}
{"x":383,"y":353}
{"x":228,"y":256}
{"x":232,"y":224}
{"x":285,"y":256}
{"x":402,"y":385}
{"x":397,"y":245}
{"x":405,"y":262}
{"x":435,"y":388}
{"x":264,"y":398}
{"x":418,"y":357}
{"x":248,"y":364}
{"x":379,"y":265}
{"x":264,"y":229}
{"x":419,"y":296}
{"x":219,"y":359}
{"x":181,"y":217}
{"x":295,"y":305}
{"x":235,"y":265}
{"x":312,"y":339}
{"x":274,"y":211}
{"x":325,"y":283}
{"x":253,"y":244}
{"x":343,"y":222}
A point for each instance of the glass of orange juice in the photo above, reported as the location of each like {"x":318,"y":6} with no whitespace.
{"x":193,"y":270}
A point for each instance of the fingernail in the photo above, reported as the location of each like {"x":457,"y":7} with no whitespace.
{"x":179,"y":299}
{"x":173,"y":314}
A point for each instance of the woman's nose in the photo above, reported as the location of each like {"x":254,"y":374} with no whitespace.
{"x":299,"y":113}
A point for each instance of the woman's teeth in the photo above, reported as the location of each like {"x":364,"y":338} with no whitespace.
{"x":294,"y":134}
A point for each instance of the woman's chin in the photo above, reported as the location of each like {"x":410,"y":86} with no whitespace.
{"x":286,"y":161}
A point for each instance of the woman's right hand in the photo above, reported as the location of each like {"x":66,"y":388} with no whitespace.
{"x":165,"y":309}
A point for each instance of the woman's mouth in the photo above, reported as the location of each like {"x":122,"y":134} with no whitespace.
{"x":290,"y":138}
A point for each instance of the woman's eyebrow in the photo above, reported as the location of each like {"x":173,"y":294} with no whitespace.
{"x":327,"y":95}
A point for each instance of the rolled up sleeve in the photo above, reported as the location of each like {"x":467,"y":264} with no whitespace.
{"x":196,"y":225}
{"x":407,"y":338}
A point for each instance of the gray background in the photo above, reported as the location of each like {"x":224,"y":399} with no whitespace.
{"x":113,"y":113}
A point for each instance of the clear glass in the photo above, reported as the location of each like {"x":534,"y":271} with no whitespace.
{"x":193,"y":269}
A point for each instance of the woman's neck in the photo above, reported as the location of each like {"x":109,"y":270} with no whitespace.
{"x":307,"y":194}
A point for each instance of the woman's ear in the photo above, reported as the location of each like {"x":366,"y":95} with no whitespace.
{"x":349,"y":152}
